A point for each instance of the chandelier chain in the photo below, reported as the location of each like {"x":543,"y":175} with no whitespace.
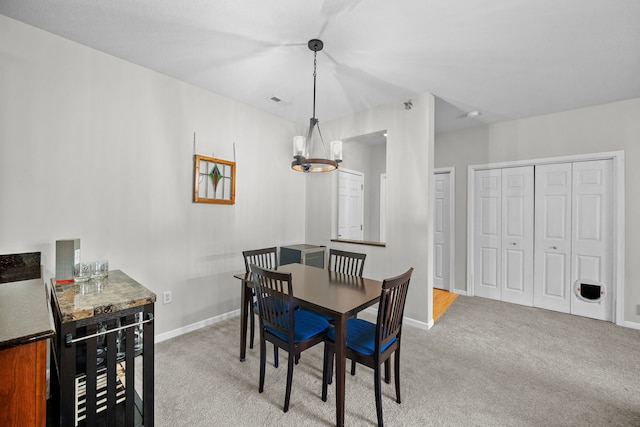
{"x":315,"y":62}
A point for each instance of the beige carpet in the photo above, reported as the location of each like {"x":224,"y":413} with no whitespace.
{"x":485,"y":363}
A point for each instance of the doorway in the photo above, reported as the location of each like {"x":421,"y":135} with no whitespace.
{"x":443,"y":230}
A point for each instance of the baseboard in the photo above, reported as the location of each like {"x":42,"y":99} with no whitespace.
{"x":195,"y":326}
{"x":628,"y":324}
{"x":406,"y":321}
{"x":236,"y":313}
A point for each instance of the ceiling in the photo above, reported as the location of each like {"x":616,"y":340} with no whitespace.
{"x":508,"y":59}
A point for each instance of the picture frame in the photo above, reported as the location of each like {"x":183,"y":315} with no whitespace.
{"x":214,"y":180}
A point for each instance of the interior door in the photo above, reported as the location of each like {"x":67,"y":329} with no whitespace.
{"x":592,"y":231}
{"x":552,"y":258}
{"x":517,"y":235}
{"x":487,"y":210}
{"x":442,"y":232}
{"x":350,"y":205}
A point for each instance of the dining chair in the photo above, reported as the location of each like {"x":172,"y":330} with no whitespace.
{"x":292,"y":330}
{"x":265,"y":258}
{"x":351,"y":263}
{"x":372,"y":344}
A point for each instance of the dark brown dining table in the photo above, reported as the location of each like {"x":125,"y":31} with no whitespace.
{"x":337,"y":295}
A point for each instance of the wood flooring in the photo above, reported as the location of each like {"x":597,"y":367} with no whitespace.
{"x":441,"y":301}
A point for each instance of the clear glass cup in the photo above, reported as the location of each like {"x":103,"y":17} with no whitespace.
{"x":120,"y":342}
{"x":81,"y":272}
{"x":138,"y":333}
{"x":99,"y":268}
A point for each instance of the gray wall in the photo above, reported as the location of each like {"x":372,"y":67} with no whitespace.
{"x":609,"y":127}
{"x":96,"y":148}
{"x":409,"y":197}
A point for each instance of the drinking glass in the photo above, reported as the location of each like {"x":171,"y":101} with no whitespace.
{"x":99,"y":268}
{"x":120,"y":345}
{"x":138,"y":333}
{"x":81,"y":272}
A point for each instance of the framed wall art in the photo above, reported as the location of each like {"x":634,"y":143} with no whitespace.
{"x":214,"y":180}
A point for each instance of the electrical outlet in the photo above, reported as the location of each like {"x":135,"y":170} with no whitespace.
{"x":166,"y":297}
{"x":638,"y":309}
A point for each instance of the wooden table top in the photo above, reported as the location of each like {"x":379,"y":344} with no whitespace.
{"x":327,"y":291}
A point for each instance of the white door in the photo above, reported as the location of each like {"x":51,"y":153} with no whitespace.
{"x":487,"y":240}
{"x":517,"y":235}
{"x":442,"y":232}
{"x":592,"y":244}
{"x":383,"y":207}
{"x":350,"y":205}
{"x":552,"y":259}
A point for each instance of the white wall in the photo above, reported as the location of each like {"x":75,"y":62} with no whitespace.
{"x":96,"y":148}
{"x":409,"y":198}
{"x":603,"y":128}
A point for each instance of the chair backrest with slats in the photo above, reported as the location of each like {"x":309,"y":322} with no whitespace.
{"x":391,"y":308}
{"x":351,"y":263}
{"x":274,"y":293}
{"x":265,"y":258}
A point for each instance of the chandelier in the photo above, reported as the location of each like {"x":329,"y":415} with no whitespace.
{"x":303,"y":146}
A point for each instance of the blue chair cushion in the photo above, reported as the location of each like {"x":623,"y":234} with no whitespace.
{"x":307,"y":325}
{"x":361,"y":336}
{"x":324,"y":316}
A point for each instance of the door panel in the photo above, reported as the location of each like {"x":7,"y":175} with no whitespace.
{"x":487,"y":233}
{"x":552,"y":273}
{"x":592,"y":258}
{"x":517,"y":235}
{"x":350,"y":205}
{"x":442,"y":232}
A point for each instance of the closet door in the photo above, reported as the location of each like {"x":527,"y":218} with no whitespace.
{"x":552,"y":258}
{"x":517,"y":235}
{"x":487,"y":233}
{"x":592,"y":245}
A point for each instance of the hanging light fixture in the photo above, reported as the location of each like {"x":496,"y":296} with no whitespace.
{"x":303,"y":147}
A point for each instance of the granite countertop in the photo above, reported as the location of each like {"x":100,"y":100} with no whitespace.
{"x":113,"y":293}
{"x":24,"y":313}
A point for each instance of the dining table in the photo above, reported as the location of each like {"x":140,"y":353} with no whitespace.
{"x":337,"y":295}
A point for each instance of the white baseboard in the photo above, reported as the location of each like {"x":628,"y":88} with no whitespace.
{"x":407,"y":320}
{"x":195,"y":326}
{"x":632,"y":325}
{"x":236,"y":313}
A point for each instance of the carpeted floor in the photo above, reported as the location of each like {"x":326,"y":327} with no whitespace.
{"x":484,"y":363}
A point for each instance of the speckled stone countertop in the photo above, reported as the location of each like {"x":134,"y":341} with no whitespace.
{"x":24,"y":313}
{"x":113,"y":293}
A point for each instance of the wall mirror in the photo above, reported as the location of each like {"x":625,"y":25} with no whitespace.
{"x":361,"y":190}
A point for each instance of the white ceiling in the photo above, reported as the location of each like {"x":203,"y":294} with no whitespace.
{"x":508,"y":59}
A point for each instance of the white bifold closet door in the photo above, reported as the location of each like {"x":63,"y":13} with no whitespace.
{"x":553,"y":237}
{"x":574,"y":242}
{"x":503,"y":239}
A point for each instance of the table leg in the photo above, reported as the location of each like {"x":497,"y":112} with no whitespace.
{"x":245,"y":292}
{"x":341,"y":363}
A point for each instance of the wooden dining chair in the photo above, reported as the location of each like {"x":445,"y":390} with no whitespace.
{"x":372,"y":344}
{"x":291,"y":330}
{"x":351,"y":263}
{"x":265,"y":258}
